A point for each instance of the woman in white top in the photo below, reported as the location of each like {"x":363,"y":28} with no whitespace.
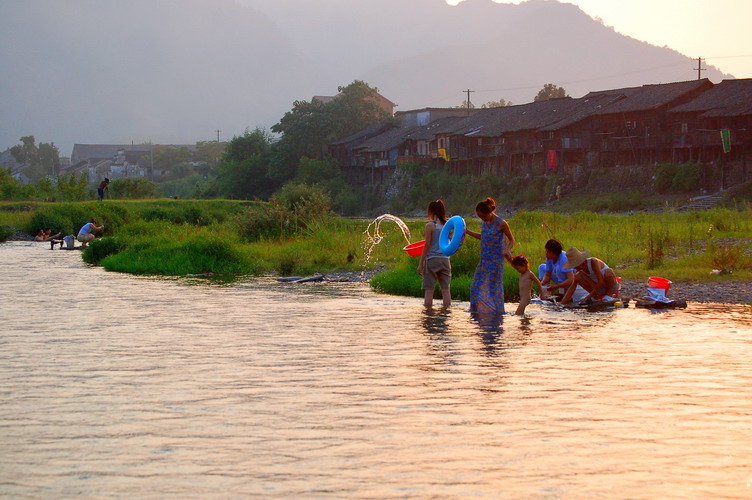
{"x":85,"y":234}
{"x":592,"y":274}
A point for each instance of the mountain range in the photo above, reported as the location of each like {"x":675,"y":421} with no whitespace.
{"x":175,"y":71}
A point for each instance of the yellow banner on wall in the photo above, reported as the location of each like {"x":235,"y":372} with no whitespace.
{"x":443,"y":154}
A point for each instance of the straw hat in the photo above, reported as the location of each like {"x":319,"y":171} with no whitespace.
{"x":575,"y":258}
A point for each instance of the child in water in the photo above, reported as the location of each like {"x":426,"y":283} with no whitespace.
{"x":434,"y":265}
{"x":527,"y":278}
{"x":487,"y":290}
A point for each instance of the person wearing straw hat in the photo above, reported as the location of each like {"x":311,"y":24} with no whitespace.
{"x":592,"y":274}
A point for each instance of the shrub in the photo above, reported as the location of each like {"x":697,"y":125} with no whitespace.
{"x":133,"y":188}
{"x":101,"y":248}
{"x":664,"y":177}
{"x":725,"y":257}
{"x":687,"y":177}
{"x":5,"y":233}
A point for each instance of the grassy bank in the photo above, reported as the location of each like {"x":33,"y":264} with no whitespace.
{"x":175,"y":237}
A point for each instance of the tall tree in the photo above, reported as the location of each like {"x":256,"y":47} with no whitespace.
{"x":550,"y":91}
{"x":310,"y":126}
{"x":243,"y":171}
{"x":39,"y":160}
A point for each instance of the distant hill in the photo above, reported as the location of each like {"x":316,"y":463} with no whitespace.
{"x":176,"y":70}
{"x":424,"y":52}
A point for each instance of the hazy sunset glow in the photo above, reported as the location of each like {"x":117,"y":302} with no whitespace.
{"x":717,"y":31}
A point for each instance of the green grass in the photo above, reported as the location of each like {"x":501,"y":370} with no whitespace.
{"x":176,"y":237}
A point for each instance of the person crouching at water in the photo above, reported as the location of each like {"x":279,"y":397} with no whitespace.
{"x":85,"y":234}
{"x":592,"y":274}
{"x":434,"y":265}
{"x":527,"y":278}
{"x":553,"y":277}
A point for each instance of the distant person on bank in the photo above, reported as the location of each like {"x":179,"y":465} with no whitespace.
{"x":86,"y":233}
{"x":103,"y":186}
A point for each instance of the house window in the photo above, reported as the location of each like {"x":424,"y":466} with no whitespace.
{"x":685,"y":128}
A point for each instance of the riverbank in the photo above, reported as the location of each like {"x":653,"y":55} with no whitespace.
{"x":233,"y":238}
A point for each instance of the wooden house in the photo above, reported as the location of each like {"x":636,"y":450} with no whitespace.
{"x":697,"y":125}
{"x":635,"y":129}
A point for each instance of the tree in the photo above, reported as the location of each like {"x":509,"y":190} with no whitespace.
{"x":208,"y":153}
{"x":40,"y":161}
{"x":243,"y":172}
{"x":310,"y":126}
{"x":550,"y":91}
{"x":501,"y":103}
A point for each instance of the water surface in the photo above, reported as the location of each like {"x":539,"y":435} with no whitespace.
{"x":114,"y":385}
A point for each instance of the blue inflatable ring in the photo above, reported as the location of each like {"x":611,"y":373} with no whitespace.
{"x":456,"y":226}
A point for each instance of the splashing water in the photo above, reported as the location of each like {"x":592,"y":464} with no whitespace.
{"x":374,"y":236}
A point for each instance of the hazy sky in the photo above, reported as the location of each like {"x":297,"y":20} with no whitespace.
{"x":712,"y":29}
{"x":176,"y":71}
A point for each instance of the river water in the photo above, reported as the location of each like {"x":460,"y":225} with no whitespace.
{"x":120,"y":386}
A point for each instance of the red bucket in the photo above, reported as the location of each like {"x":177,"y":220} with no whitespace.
{"x":656,"y":282}
{"x":415,"y":249}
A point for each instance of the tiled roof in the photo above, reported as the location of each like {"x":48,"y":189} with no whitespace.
{"x":728,"y":98}
{"x":439,"y":126}
{"x":369,"y":131}
{"x":649,"y":97}
{"x":387,"y":141}
{"x":494,"y":122}
{"x":87,"y":151}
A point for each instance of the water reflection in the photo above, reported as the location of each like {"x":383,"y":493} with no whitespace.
{"x":188,"y":388}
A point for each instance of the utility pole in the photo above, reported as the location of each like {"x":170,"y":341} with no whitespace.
{"x":699,"y":67}
{"x":217,"y":131}
{"x":468,"y":100}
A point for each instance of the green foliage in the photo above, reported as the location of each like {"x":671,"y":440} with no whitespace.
{"x":5,"y":233}
{"x":679,"y":178}
{"x":687,"y":178}
{"x":132,"y":188}
{"x":39,"y":160}
{"x":664,"y":177}
{"x":309,"y":127}
{"x":101,"y":248}
{"x":244,"y":170}
{"x":293,"y":209}
{"x":725,"y":257}
{"x":550,"y":91}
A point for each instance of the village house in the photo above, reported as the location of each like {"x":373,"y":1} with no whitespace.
{"x":644,"y":125}
{"x":635,"y":130}
{"x":697,"y":126}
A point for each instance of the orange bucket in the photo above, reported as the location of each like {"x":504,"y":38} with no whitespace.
{"x":415,"y":249}
{"x":656,"y":282}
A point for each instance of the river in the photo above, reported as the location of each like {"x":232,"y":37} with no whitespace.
{"x":120,"y":386}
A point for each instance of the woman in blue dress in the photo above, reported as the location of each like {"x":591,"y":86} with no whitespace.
{"x":487,"y":290}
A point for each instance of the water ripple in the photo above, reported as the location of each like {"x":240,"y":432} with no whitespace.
{"x":113,"y":386}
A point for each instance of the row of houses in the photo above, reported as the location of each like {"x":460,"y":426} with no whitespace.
{"x":115,"y":161}
{"x":662,"y":123}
